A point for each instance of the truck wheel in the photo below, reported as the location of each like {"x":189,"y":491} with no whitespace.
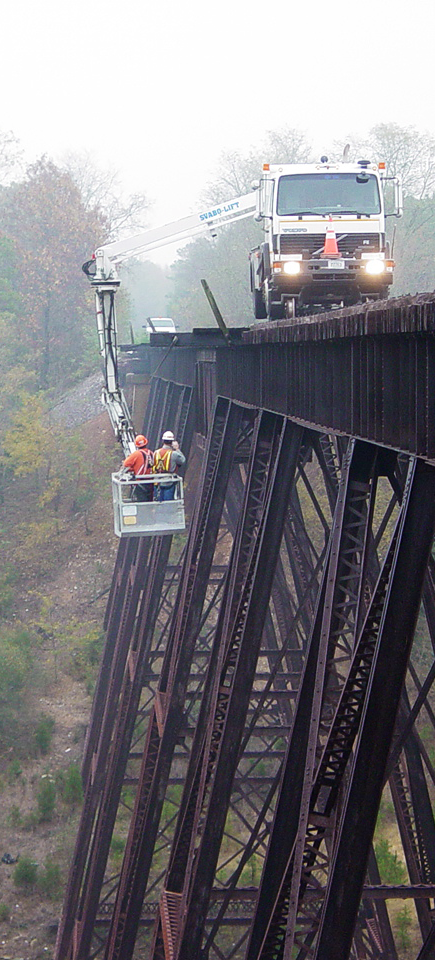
{"x":275,"y":311}
{"x":290,"y":308}
{"x":259,"y":305}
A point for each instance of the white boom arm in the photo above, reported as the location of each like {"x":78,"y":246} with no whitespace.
{"x":102,"y":273}
{"x":176,"y":231}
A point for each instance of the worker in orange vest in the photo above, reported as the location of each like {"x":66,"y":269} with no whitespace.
{"x":167,"y":460}
{"x":140,"y":463}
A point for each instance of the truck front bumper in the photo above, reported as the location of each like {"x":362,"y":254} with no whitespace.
{"x":319,"y":280}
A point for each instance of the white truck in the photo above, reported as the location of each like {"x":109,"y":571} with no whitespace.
{"x":294,"y":271}
{"x":324,"y":245}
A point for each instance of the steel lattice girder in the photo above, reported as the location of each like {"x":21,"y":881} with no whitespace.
{"x":293,"y":805}
{"x":375,"y":735}
{"x":165,"y":721}
{"x":104,"y":769}
{"x":288,"y":598}
{"x":231,"y":673}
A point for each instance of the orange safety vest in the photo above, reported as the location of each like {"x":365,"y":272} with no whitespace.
{"x":162,"y":461}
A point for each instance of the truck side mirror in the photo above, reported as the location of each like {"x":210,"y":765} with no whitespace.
{"x":398,"y":196}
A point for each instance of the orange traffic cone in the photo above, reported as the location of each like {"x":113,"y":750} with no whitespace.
{"x":331,"y":247}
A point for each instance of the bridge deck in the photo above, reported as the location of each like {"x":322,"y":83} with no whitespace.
{"x":366,"y":371}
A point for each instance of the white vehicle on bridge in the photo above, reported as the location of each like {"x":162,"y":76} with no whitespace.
{"x":325,"y":244}
{"x":160,"y":325}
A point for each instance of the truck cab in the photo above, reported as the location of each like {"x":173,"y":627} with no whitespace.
{"x":295,"y":271}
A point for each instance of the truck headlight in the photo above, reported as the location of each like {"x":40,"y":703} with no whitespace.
{"x":291,"y":268}
{"x":375,"y":267}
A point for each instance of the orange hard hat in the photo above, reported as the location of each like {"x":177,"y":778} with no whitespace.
{"x":140,"y":440}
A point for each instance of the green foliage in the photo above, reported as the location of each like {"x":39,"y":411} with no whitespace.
{"x":127,"y":798}
{"x":117,"y":847}
{"x":31,"y":821}
{"x":402,"y":924}
{"x":224,"y":264}
{"x":46,"y":799}
{"x":5,"y":913}
{"x":49,"y":881}
{"x":385,"y":814}
{"x":44,"y":733}
{"x":15,"y":673}
{"x":14,"y":664}
{"x":8,"y":578}
{"x":25,"y":873}
{"x":391,"y":868}
{"x":45,"y":218}
{"x":69,"y":784}
{"x":251,"y":873}
{"x":85,"y":653}
{"x":14,"y":771}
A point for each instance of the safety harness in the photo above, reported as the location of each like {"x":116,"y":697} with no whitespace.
{"x":162,"y":461}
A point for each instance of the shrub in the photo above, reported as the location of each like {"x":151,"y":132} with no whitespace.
{"x":44,"y":733}
{"x":31,"y":821}
{"x":49,"y":882}
{"x":7,"y":579}
{"x":15,"y":671}
{"x":402,"y":923}
{"x":5,"y":913}
{"x":14,"y":771}
{"x":391,"y":868}
{"x":86,"y":655}
{"x":70,"y":784}
{"x":46,"y":799}
{"x":25,"y":873}
{"x":117,"y":846}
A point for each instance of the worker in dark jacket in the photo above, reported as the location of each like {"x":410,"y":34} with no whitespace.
{"x":140,"y":463}
{"x":167,"y":460}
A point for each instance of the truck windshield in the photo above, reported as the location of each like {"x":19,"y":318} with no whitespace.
{"x":324,"y":193}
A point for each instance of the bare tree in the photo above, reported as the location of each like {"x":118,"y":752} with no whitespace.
{"x":11,"y":157}
{"x":101,"y":190}
{"x":407,"y":153}
{"x":236,"y":170}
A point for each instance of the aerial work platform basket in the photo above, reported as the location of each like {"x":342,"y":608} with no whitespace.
{"x":151,"y":518}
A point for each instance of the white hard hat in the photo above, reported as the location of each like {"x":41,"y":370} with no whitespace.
{"x":168,"y":435}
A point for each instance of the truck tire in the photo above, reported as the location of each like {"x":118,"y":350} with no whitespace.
{"x":260,"y":312}
{"x":275,"y":311}
{"x":290,"y":308}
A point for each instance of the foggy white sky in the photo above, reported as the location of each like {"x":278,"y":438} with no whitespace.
{"x":160,"y":89}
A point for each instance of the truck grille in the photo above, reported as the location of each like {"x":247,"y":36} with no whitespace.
{"x":297,"y":243}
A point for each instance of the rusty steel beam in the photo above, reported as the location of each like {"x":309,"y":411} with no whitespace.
{"x":164,"y":724}
{"x":334,"y":620}
{"x":232,"y":669}
{"x":335,"y":375}
{"x":364,"y":792}
{"x":103,"y":766}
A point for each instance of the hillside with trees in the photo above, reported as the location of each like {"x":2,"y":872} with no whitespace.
{"x":57,"y":548}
